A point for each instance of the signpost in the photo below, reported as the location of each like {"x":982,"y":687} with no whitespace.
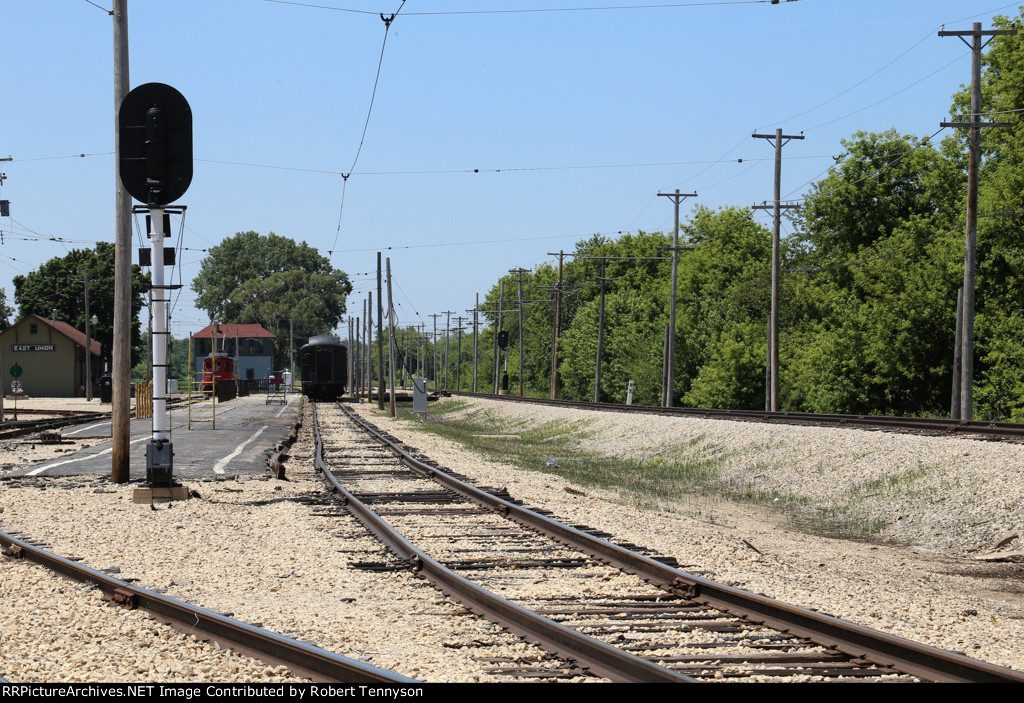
{"x":16,"y":372}
{"x":155,"y":133}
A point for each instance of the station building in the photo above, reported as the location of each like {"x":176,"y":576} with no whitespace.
{"x":48,"y":357}
{"x":251,"y":345}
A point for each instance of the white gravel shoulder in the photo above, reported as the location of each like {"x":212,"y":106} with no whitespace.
{"x":950,"y":497}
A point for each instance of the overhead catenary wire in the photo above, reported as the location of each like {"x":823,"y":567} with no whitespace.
{"x":659,"y":6}
{"x":373,"y":95}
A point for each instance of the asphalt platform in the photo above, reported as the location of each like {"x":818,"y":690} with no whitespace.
{"x":247,"y":430}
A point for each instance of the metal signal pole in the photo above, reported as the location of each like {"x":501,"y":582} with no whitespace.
{"x":777,"y":207}
{"x":971,"y":235}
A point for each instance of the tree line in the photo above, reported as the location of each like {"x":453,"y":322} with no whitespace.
{"x":868,"y":294}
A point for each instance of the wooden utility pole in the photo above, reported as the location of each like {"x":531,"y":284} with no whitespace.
{"x":476,"y":322}
{"x":777,"y":207}
{"x":447,"y":337}
{"x":558,"y":309}
{"x":497,"y":330}
{"x":664,"y":363}
{"x":423,"y":350}
{"x":600,"y":341}
{"x":434,"y":353}
{"x":120,"y":430}
{"x":458,"y":358}
{"x":369,"y":347}
{"x":356,"y":355}
{"x":676,"y":198}
{"x":362,"y":360}
{"x":954,"y":405}
{"x":88,"y":344}
{"x":971,"y":235}
{"x":380,"y":340}
{"x":391,"y":344}
{"x":350,"y":357}
{"x":519,"y":272}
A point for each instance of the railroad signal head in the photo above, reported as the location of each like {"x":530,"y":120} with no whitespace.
{"x":503,"y":339}
{"x":155,"y":131}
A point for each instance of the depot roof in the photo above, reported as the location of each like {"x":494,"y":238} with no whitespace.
{"x":71,"y":333}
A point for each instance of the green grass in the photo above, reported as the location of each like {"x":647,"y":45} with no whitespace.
{"x":690,"y":478}
{"x":530,"y":447}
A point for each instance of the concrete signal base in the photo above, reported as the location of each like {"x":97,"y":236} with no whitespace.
{"x":159,"y":494}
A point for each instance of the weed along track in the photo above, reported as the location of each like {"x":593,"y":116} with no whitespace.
{"x":617,"y":611}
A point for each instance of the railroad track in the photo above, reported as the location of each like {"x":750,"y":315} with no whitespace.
{"x":619,"y":612}
{"x":302,"y":659}
{"x":975,"y":429}
{"x":59,"y":418}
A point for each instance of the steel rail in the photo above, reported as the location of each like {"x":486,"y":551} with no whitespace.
{"x":302,"y":659}
{"x":854,"y":640}
{"x":18,"y":428}
{"x":937,"y":425}
{"x":600,"y":658}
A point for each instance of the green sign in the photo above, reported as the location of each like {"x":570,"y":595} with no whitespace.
{"x":16,"y":371}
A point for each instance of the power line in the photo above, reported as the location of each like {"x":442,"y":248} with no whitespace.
{"x":927,"y":36}
{"x":109,"y":12}
{"x":537,"y":10}
{"x":891,"y":95}
{"x":511,"y":169}
{"x":926,"y":142}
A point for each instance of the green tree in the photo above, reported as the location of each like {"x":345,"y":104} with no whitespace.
{"x":249,"y":256}
{"x":724,"y":300}
{"x":177,"y":361}
{"x":57,"y":286}
{"x":270,"y":281}
{"x":879,"y":182}
{"x":5,"y":311}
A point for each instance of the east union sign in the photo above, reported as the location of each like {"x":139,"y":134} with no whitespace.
{"x":33,"y":347}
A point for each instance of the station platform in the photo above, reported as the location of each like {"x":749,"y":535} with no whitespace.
{"x":247,"y":430}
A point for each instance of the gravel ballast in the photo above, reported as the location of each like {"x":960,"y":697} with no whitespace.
{"x":931,"y":590}
{"x":255,"y":548}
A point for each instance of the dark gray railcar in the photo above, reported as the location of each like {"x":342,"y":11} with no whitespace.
{"x":324,"y":365}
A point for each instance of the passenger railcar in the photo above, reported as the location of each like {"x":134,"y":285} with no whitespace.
{"x":324,"y":364}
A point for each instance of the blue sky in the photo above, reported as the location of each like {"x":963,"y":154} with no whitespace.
{"x":575,"y":120}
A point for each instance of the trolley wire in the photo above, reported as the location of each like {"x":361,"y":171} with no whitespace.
{"x":373,"y":95}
